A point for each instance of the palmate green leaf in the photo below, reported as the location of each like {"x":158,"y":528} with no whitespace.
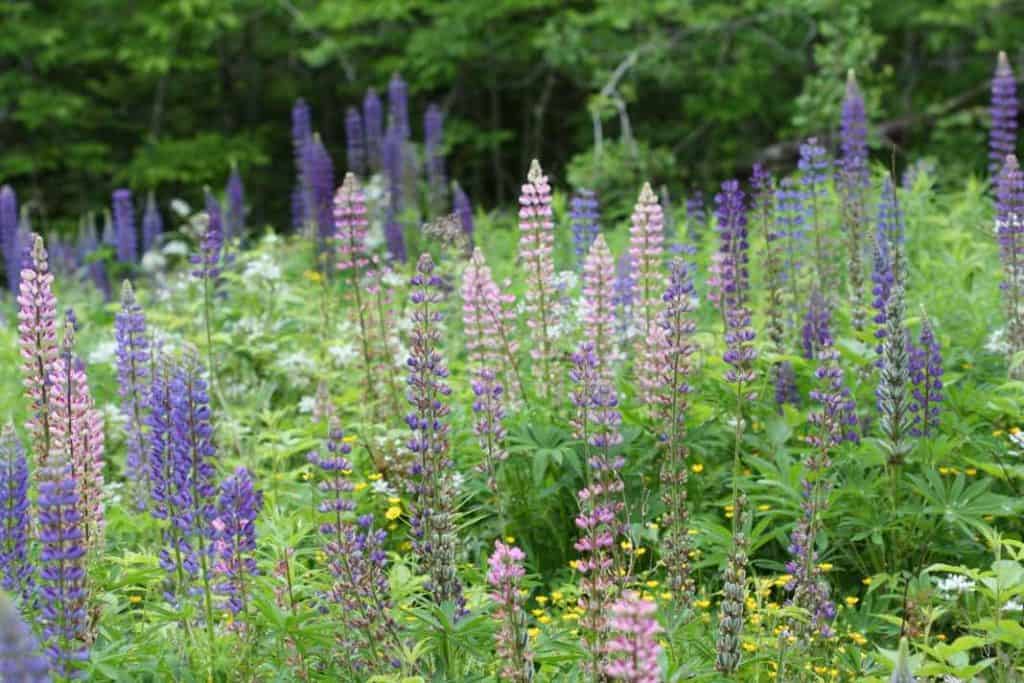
{"x":961,"y":504}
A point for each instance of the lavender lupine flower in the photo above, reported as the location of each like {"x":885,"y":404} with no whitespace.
{"x":814,"y":169}
{"x":926,"y":376}
{"x":16,"y":570}
{"x":696,"y":216}
{"x":124,"y":226}
{"x":784,"y":381}
{"x":37,"y":339}
{"x":505,"y":576}
{"x":536,"y":240}
{"x":398,"y":106}
{"x":430,"y":476}
{"x":816,"y":333}
{"x":893,"y":390}
{"x":728,"y":281}
{"x":356,"y":559}
{"x":597,"y":305}
{"x":852,"y":182}
{"x":624,"y":294}
{"x":88,"y":243}
{"x":645,"y":250}
{"x":634,"y":646}
{"x":433,"y":141}
{"x":853,"y":135}
{"x":320,"y":169}
{"x":234,"y":539}
{"x":373,"y":120}
{"x":678,"y":327}
{"x":790,"y":217}
{"x":21,"y":659}
{"x":463,"y":209}
{"x":76,"y":431}
{"x":152,"y":224}
{"x":740,"y":353}
{"x":355,"y":142}
{"x":734,"y":593}
{"x":392,"y":156}
{"x":207,"y":261}
{"x":9,"y":236}
{"x":765,"y":197}
{"x":132,"y":377}
{"x":585,"y":216}
{"x":302,"y":135}
{"x":1010,"y":233}
{"x":596,"y":422}
{"x":234,"y":224}
{"x":1002,"y":139}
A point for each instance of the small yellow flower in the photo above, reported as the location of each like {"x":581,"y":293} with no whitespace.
{"x":867,"y":580}
{"x":349,"y":438}
{"x":944,"y":471}
{"x":570,"y":616}
{"x":537,"y":613}
{"x":750,"y":647}
{"x":820,"y":669}
{"x":653,"y":526}
{"x":557,"y":596}
{"x":321,"y":556}
{"x":942,"y":637}
{"x":394,"y":512}
{"x":971,"y":472}
{"x":641,"y":552}
{"x":1015,"y":430}
{"x":764,"y":507}
{"x":532,"y":632}
{"x":825,"y":566}
{"x":626,"y":545}
{"x":394,"y":501}
{"x":997,"y":432}
{"x":542,"y":599}
{"x":651,"y":584}
{"x":545,"y":619}
{"x":728,"y":508}
{"x":407,"y":545}
{"x":312,"y":276}
{"x":703,"y":604}
{"x":359,"y":486}
{"x":697,"y":468}
{"x":666,"y":595}
{"x":574,"y":564}
{"x":306,"y":475}
{"x":858,"y":638}
{"x":135,"y":599}
{"x":510,"y":539}
{"x":692,"y":532}
{"x":851,"y":600}
{"x":375,"y":476}
{"x":392,"y":526}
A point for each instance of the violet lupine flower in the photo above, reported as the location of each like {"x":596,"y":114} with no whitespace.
{"x":88,"y":243}
{"x":302,"y":135}
{"x":9,"y":236}
{"x":678,"y":327}
{"x":21,"y":659}
{"x":790,"y":217}
{"x":234,"y":539}
{"x":784,"y":381}
{"x":816,"y":332}
{"x":853,"y":135}
{"x":124,"y":226}
{"x":728,"y":280}
{"x":852,"y":183}
{"x":355,"y":142}
{"x":1010,"y":233}
{"x":320,"y":169}
{"x":696,"y":216}
{"x":211,"y":244}
{"x":392,"y":155}
{"x":765,"y":197}
{"x":76,"y":431}
{"x":398,"y":106}
{"x":926,"y":376}
{"x":62,"y":591}
{"x":645,"y":250}
{"x":433,"y":141}
{"x":814,"y":171}
{"x":373,"y":120}
{"x":152,"y":224}
{"x":37,"y":339}
{"x":624,"y":294}
{"x":634,"y":646}
{"x":133,"y":379}
{"x":893,"y":390}
{"x":356,"y":558}
{"x":505,"y":576}
{"x":585,"y":216}
{"x":734,"y":593}
{"x":1002,"y":139}
{"x":464,"y":210}
{"x":235,"y":191}
{"x":430,"y":476}
{"x":17,"y":575}
{"x":597,"y":305}
{"x":596,"y":422}
{"x":536,"y":241}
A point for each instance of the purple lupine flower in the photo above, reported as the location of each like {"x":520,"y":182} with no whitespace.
{"x":677,"y":327}
{"x":21,"y":659}
{"x":9,"y":236}
{"x":893,"y":391}
{"x":16,"y":570}
{"x":1010,"y":233}
{"x":596,"y":423}
{"x":433,"y":140}
{"x":816,"y":333}
{"x":152,"y":224}
{"x":926,"y":376}
{"x":765,"y":197}
{"x":356,"y":558}
{"x":208,"y":260}
{"x":302,"y":135}
{"x":853,"y":180}
{"x":430,"y":475}
{"x":398,"y":106}
{"x":88,"y":243}
{"x":646,"y":238}
{"x":696,"y":216}
{"x":1002,"y":139}
{"x":784,"y":381}
{"x":505,"y":576}
{"x":132,"y":377}
{"x":373,"y":120}
{"x":634,"y":646}
{"x":585,"y":216}
{"x":889,"y":237}
{"x":814,"y":169}
{"x":729,"y":281}
{"x":124,"y":226}
{"x":355,"y":142}
{"x":234,"y":539}
{"x":853,"y":135}
{"x":392,"y":155}
{"x":463,"y":209}
{"x":320,"y":194}
{"x":624,"y":294}
{"x":234,"y":224}
{"x":790,"y":217}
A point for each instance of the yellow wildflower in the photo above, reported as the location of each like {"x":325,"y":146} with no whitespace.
{"x":375,"y":476}
{"x":510,"y":539}
{"x":542,"y":599}
{"x":532,"y":632}
{"x":697,"y":468}
{"x":393,"y":512}
{"x":851,"y":600}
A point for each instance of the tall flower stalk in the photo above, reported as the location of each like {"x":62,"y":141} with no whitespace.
{"x":634,"y":646}
{"x":790,"y":218}
{"x":21,"y":658}
{"x":430,"y":476}
{"x":355,"y":142}
{"x":234,"y":542}
{"x":646,"y":235}
{"x":373,"y":122}
{"x":152,"y":224}
{"x":133,"y":362}
{"x":853,"y":182}
{"x":1002,"y":140}
{"x":17,"y":574}
{"x":597,"y":306}
{"x":124,"y":226}
{"x":764,"y":198}
{"x":893,"y":390}
{"x":734,"y":595}
{"x":814,"y":169}
{"x":1010,"y":234}
{"x":505,"y":576}
{"x":9,"y":236}
{"x":433,"y":143}
{"x":536,"y":240}
{"x":926,"y":374}
{"x":585,"y":217}
{"x":207,"y":265}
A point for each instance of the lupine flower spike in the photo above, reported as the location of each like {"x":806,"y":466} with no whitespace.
{"x":585,"y":217}
{"x":853,"y":182}
{"x":645,"y":251}
{"x":814,"y":170}
{"x":373,"y":122}
{"x":926,"y":376}
{"x":433,"y":138}
{"x":1004,"y":110}
{"x":124,"y":226}
{"x":355,"y":142}
{"x":1010,"y":233}
{"x":734,"y":594}
{"x":152,"y":224}
{"x":9,"y":236}
{"x":235,"y":192}
{"x":634,"y":646}
{"x":505,"y":577}
{"x":133,"y":378}
{"x":536,"y":240}
{"x":597,"y":306}
{"x":21,"y":660}
{"x":16,"y":570}
{"x":463,"y":209}
{"x":234,"y":541}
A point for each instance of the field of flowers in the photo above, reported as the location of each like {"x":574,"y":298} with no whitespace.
{"x":770,"y":437}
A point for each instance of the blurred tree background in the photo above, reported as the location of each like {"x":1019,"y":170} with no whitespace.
{"x":165,"y":94}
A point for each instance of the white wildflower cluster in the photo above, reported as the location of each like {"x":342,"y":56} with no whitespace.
{"x":952,"y":585}
{"x":104,"y":353}
{"x":1017,"y":439}
{"x":260,"y":272}
{"x":298,"y":366}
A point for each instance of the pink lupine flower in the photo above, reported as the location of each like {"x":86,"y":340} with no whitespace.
{"x":350,"y":223}
{"x":634,"y":647}
{"x":489,"y":319}
{"x":598,"y":304}
{"x":506,"y":577}
{"x":645,"y":250}
{"x":536,"y":239}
